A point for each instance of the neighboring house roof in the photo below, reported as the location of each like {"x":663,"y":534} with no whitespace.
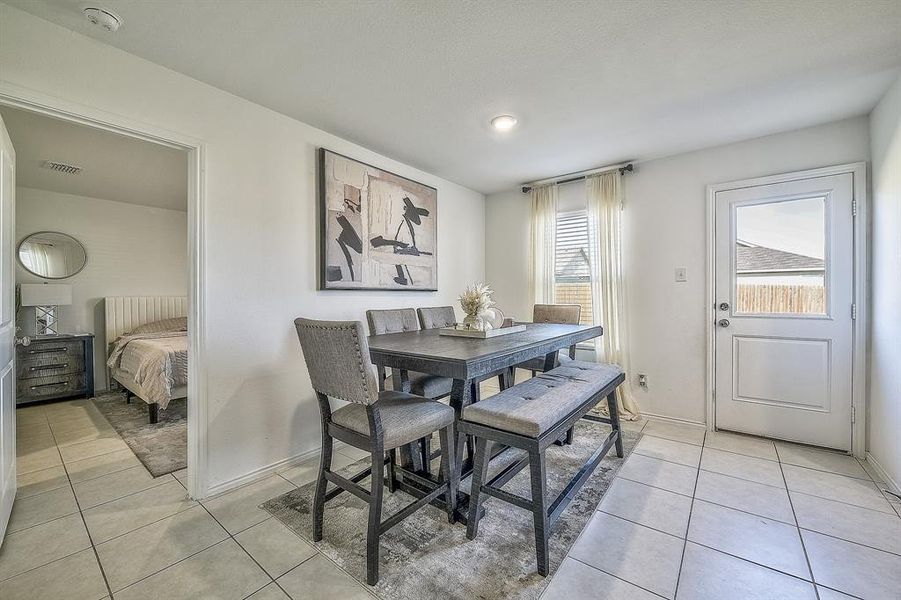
{"x":760,"y":259}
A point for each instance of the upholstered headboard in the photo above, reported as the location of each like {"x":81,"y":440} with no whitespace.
{"x":124,"y":313}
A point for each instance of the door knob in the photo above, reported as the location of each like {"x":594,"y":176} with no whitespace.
{"x":723,"y":322}
{"x":24,"y":340}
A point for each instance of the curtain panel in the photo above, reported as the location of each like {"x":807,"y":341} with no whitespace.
{"x":604,"y":204}
{"x":544,"y":244}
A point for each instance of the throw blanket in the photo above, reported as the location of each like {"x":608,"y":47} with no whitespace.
{"x":157,"y":361}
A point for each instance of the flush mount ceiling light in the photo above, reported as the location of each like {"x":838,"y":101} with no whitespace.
{"x":103,"y":18}
{"x":503,"y":122}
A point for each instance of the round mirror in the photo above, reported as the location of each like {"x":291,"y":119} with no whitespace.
{"x":52,"y":255}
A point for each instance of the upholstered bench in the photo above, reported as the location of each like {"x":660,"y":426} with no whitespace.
{"x":531,"y":416}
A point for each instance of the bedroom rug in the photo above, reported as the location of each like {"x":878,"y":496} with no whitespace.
{"x":161,"y":447}
{"x":426,"y":557}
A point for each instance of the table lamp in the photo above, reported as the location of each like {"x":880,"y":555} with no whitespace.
{"x":46,"y":298}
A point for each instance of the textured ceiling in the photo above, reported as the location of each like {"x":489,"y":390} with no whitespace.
{"x":591,"y":82}
{"x":114,"y":167}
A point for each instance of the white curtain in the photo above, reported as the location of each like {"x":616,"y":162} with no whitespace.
{"x":604,"y":200}
{"x":544,"y":240}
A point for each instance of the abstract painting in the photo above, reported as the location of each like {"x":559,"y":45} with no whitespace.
{"x":379,"y":231}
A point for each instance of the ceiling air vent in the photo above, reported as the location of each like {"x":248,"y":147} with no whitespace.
{"x":61,"y":167}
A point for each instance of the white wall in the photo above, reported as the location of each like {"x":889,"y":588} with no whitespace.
{"x":665,"y":227}
{"x":884,"y":441}
{"x":132,"y":251}
{"x":260,"y":225}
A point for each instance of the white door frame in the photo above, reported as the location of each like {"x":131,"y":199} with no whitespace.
{"x":20,"y":97}
{"x":860,"y":297}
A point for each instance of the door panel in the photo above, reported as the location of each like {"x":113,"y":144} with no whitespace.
{"x":7,"y":331}
{"x":784,"y":280}
{"x":781,"y":371}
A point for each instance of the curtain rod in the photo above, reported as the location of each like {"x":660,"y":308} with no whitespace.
{"x":579,"y":176}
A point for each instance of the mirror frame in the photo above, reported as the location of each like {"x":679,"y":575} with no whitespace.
{"x":34,"y":233}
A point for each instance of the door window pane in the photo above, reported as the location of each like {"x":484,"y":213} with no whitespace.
{"x":780,"y":251}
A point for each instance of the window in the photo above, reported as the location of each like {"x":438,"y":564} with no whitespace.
{"x":572,"y":275}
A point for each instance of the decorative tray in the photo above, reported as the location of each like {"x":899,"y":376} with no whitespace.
{"x":460,"y":331}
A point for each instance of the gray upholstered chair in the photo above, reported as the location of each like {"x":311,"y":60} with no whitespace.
{"x":337,"y":357}
{"x":404,"y":319}
{"x":433,"y":317}
{"x":553,"y":313}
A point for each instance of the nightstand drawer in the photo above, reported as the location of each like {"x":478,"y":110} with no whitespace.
{"x":57,"y":358}
{"x":38,"y":388}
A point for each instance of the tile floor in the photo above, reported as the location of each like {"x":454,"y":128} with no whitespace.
{"x":696,"y":516}
{"x":90,"y":523}
{"x":717,"y":515}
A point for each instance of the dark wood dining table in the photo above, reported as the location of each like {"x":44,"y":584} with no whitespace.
{"x":467,"y":361}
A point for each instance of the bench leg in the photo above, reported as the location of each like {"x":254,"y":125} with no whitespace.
{"x":479,"y":472}
{"x":154,"y":413}
{"x":448,"y":472}
{"x":613,"y":408}
{"x":375,"y":517}
{"x":539,"y":509}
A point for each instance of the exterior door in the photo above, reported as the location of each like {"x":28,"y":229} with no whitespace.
{"x":7,"y":330}
{"x":784,"y":294}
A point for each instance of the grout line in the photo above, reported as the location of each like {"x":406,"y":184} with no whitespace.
{"x":84,"y":523}
{"x":875,"y":510}
{"x":704,"y":500}
{"x":606,"y":572}
{"x":622,"y":518}
{"x":835,"y":537}
{"x":690,"y":512}
{"x":181,"y":560}
{"x":798,"y":530}
{"x":130,"y":494}
{"x":115,"y":537}
{"x":791,"y":491}
{"x":767,"y":567}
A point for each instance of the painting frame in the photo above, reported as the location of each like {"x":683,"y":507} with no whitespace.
{"x":371,"y":257}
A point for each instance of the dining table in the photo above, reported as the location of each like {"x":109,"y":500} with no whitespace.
{"x":467,"y":361}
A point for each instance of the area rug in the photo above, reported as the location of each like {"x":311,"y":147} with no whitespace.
{"x":426,"y":557}
{"x":161,"y":447}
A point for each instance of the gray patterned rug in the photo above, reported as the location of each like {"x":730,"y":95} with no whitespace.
{"x":425,"y":557}
{"x":161,"y":447}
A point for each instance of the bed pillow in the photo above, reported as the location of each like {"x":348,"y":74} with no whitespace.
{"x":175,"y":324}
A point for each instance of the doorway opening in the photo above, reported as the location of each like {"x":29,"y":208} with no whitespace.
{"x":157,"y":300}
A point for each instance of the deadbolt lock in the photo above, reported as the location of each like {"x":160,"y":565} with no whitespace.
{"x":724,"y":306}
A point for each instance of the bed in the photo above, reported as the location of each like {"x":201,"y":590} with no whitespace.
{"x":147,"y":348}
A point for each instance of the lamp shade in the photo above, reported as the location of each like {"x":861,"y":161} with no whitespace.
{"x":46,"y":294}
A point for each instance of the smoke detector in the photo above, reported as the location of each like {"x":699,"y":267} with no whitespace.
{"x":61,"y":167}
{"x":103,"y":18}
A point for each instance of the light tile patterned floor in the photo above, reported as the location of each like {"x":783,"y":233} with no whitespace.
{"x":90,"y":523}
{"x":695,"y":515}
{"x":719,"y":515}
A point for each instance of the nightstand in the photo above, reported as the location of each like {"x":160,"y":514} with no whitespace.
{"x":55,"y":366}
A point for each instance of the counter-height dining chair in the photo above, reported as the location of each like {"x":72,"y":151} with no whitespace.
{"x":397,"y":320}
{"x":337,"y":358}
{"x":553,"y":313}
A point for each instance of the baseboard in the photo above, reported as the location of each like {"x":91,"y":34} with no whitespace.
{"x":883,"y":474}
{"x":262,"y":472}
{"x":674,"y":420}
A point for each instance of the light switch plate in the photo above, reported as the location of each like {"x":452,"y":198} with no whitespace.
{"x":681,"y":274}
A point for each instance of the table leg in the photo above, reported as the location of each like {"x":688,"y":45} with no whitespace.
{"x":507,"y":378}
{"x":409,"y":455}
{"x":550,"y":361}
